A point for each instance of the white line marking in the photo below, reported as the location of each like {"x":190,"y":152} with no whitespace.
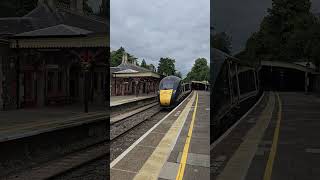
{"x":121,"y":156}
{"x":215,"y":143}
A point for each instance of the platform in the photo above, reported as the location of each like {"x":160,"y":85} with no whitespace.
{"x":176,"y":147}
{"x":22,"y":123}
{"x":120,"y":100}
{"x":278,"y":140}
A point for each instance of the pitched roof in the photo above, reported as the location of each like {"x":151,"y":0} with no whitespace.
{"x":14,"y":25}
{"x":125,"y":66}
{"x":127,"y":71}
{"x":43,"y":17}
{"x":58,"y":30}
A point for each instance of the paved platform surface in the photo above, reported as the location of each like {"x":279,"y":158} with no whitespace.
{"x":278,"y":140}
{"x":19,"y":123}
{"x":177,"y":146}
{"x":119,"y":100}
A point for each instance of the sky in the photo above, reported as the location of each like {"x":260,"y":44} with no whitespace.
{"x":149,"y":30}
{"x":241,"y":18}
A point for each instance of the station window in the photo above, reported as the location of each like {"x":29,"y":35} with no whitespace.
{"x":50,"y":81}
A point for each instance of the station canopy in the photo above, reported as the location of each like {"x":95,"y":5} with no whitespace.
{"x":127,"y":70}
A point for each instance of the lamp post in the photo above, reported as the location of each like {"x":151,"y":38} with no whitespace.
{"x":306,"y":84}
{"x":86,"y":70}
{"x":17,"y":76}
{"x":85,"y":67}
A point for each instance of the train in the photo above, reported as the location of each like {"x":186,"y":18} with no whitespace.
{"x":236,"y":85}
{"x":172,"y":90}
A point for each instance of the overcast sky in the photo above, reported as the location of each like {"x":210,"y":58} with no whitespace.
{"x":168,"y":28}
{"x":241,"y":18}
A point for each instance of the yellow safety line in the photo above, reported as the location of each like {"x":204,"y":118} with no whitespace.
{"x":186,"y":146}
{"x":268,"y":170}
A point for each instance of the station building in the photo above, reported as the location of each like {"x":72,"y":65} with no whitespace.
{"x":54,"y":54}
{"x":130,"y":79}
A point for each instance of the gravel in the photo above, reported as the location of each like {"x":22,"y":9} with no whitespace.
{"x":121,"y":143}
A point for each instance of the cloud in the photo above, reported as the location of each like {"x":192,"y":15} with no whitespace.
{"x":153,"y":29}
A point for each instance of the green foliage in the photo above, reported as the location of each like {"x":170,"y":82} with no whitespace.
{"x":222,"y":42}
{"x":151,"y":67}
{"x":178,"y":74}
{"x":144,"y":64}
{"x":104,"y":9}
{"x":166,"y":66}
{"x":16,"y":8}
{"x":86,"y":7}
{"x":137,"y":63}
{"x":290,"y":32}
{"x":116,"y":57}
{"x":200,"y":71}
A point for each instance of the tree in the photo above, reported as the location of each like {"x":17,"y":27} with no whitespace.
{"x":86,"y":7}
{"x":200,"y":71}
{"x":166,"y":66}
{"x":152,"y":67}
{"x":178,"y":74}
{"x":135,"y":60}
{"x":16,"y":8}
{"x":116,"y":57}
{"x":222,"y":42}
{"x":132,"y":59}
{"x":284,"y":34}
{"x":144,"y":64}
{"x":104,"y":9}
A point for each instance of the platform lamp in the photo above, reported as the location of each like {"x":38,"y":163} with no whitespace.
{"x":17,"y":67}
{"x":85,"y":62}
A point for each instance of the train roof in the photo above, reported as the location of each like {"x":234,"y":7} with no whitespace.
{"x":172,"y":78}
{"x":219,"y":58}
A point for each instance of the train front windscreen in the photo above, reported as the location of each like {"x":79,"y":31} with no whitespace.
{"x":167,"y":84}
{"x":168,"y":87}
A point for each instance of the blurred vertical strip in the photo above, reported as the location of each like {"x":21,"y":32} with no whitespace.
{"x":105,"y":9}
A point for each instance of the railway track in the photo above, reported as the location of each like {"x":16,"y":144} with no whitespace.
{"x":124,"y":130}
{"x":123,"y":123}
{"x":69,"y":166}
{"x":63,"y":165}
{"x":127,"y":130}
{"x":124,"y":141}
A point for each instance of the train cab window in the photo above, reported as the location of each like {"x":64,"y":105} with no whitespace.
{"x":170,"y":82}
{"x":167,"y":85}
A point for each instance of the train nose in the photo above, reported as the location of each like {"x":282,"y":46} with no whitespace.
{"x":165,"y":97}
